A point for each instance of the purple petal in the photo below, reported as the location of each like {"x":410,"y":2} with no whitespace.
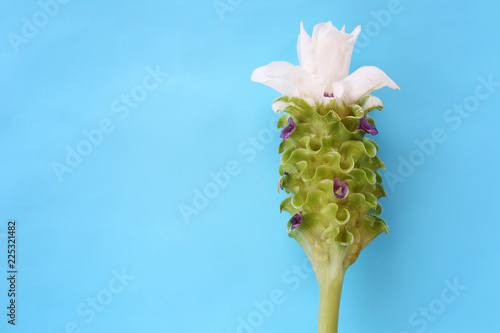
{"x":285,"y":133}
{"x":337,"y":185}
{"x":330,"y":95}
{"x":296,"y":220}
{"x":366,"y":126}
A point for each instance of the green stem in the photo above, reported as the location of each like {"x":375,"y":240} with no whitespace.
{"x":329,"y":261}
{"x":330,"y":280}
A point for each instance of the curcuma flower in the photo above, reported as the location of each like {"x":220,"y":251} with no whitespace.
{"x":329,"y":166}
{"x":288,"y":130}
{"x":366,"y":126}
{"x":340,"y":188}
{"x":296,"y":220}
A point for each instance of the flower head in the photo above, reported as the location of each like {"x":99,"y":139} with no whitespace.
{"x":366,"y":126}
{"x":324,"y":60}
{"x":340,"y":188}
{"x":296,"y":220}
{"x":288,"y":130}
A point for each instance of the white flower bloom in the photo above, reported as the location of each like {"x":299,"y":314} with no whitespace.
{"x":324,"y":60}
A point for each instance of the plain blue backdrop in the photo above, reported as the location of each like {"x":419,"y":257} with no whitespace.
{"x":155,"y":98}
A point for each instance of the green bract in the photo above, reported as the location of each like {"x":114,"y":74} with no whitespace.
{"x":327,"y":143}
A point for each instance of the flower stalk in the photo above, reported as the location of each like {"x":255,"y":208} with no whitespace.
{"x":330,"y":281}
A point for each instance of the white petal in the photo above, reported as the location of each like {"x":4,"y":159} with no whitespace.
{"x":364,"y":80}
{"x":273,"y":75}
{"x":286,"y":78}
{"x":354,"y":35}
{"x":302,"y":81}
{"x":305,"y":50}
{"x":338,"y":89}
{"x":318,"y":28}
{"x":332,"y":52}
{"x":334,"y":55}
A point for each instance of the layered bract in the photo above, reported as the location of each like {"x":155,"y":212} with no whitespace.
{"x":326,"y":144}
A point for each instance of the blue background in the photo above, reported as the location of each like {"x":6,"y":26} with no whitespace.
{"x":119,"y":209}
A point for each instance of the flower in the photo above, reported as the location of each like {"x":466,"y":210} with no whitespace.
{"x":366,"y":126}
{"x":288,"y":130}
{"x":323,"y":73}
{"x":296,"y":220}
{"x":281,"y":180}
{"x":340,"y":189}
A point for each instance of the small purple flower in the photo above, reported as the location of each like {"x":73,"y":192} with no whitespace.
{"x":330,"y":95}
{"x":366,"y":126}
{"x":281,"y":180}
{"x":285,"y":133}
{"x":296,"y":220}
{"x":339,"y":188}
